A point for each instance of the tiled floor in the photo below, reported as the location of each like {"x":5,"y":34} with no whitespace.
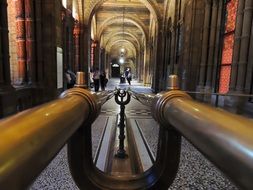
{"x":195,"y":172}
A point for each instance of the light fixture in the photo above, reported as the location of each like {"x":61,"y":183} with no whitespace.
{"x":121,"y":60}
{"x":122,"y":50}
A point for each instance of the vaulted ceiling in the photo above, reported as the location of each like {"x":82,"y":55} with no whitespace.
{"x":121,"y":23}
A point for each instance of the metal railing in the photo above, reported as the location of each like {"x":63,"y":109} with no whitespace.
{"x":224,"y":138}
{"x":30,"y":140}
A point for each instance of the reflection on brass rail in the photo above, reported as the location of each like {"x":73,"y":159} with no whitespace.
{"x":146,"y":99}
{"x":224,"y":138}
{"x":104,"y":96}
{"x":30,"y":139}
{"x":219,"y":94}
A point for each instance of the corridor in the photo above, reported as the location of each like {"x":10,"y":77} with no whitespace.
{"x":198,"y":51}
{"x":195,"y":171}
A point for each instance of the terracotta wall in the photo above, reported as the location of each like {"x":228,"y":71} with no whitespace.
{"x":12,"y":40}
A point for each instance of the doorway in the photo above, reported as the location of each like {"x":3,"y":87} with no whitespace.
{"x":115,"y":70}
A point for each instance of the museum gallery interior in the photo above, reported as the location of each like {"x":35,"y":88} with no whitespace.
{"x":126,"y":94}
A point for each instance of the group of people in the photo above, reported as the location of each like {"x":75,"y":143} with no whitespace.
{"x":99,"y":79}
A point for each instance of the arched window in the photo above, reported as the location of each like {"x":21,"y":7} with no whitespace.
{"x":228,"y":44}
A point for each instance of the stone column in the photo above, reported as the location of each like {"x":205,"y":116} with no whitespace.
{"x":77,"y":47}
{"x":84,"y":50}
{"x":1,"y":55}
{"x":204,"y":53}
{"x":244,"y":49}
{"x":146,"y":63}
{"x":212,"y":42}
{"x":173,"y":50}
{"x":70,"y":44}
{"x":29,"y":26}
{"x":138,"y":73}
{"x":4,"y":47}
{"x":96,"y":55}
{"x":38,"y":59}
{"x":158,"y":64}
{"x":218,"y":45}
{"x":102,"y":59}
{"x":7,"y":93}
{"x":21,"y":41}
{"x":249,"y":75}
{"x":237,"y":43}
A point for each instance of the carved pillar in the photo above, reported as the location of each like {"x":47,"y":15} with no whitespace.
{"x":84,"y":50}
{"x":146,"y":63}
{"x":77,"y":46}
{"x":38,"y":59}
{"x":96,"y":55}
{"x":212,"y":42}
{"x":249,"y":76}
{"x":7,"y":96}
{"x":141,"y":73}
{"x":205,"y":44}
{"x":158,"y":66}
{"x":4,"y":46}
{"x":29,"y":28}
{"x":237,"y":43}
{"x":102,"y":59}
{"x":21,"y":40}
{"x":1,"y":55}
{"x":244,"y":49}
{"x":218,"y":45}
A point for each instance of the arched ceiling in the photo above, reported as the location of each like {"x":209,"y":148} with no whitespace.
{"x":115,"y":46}
{"x":110,"y":15}
{"x":122,"y":24}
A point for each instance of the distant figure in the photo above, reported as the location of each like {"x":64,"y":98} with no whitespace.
{"x":71,"y":78}
{"x":103,"y":80}
{"x":96,"y":79}
{"x":128,"y":76}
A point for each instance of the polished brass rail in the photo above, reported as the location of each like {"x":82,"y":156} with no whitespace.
{"x":146,"y":99}
{"x":224,"y":138}
{"x":30,"y":139}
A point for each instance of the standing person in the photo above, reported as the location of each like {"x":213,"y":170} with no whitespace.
{"x":103,"y":80}
{"x":71,"y":78}
{"x":128,"y":76}
{"x":96,"y":79}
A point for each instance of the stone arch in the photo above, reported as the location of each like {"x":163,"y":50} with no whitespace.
{"x":129,"y":19}
{"x":125,"y":33}
{"x":111,"y":44}
{"x":150,"y":5}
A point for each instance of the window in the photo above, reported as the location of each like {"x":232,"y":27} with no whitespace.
{"x":228,"y":44}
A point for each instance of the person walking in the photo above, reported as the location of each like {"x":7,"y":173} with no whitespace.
{"x":128,"y":76}
{"x":103,"y":80}
{"x":96,"y":79}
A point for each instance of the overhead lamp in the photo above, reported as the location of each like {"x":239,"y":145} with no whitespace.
{"x":121,"y":60}
{"x":122,"y":50}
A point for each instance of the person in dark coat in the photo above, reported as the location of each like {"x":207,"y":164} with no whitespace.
{"x":103,"y":80}
{"x":96,"y":79}
{"x":128,"y":76}
{"x":71,"y":78}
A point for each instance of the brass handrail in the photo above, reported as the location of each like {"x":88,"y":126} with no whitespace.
{"x":104,"y":96}
{"x":146,"y":99}
{"x":224,"y":138}
{"x":29,"y":140}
